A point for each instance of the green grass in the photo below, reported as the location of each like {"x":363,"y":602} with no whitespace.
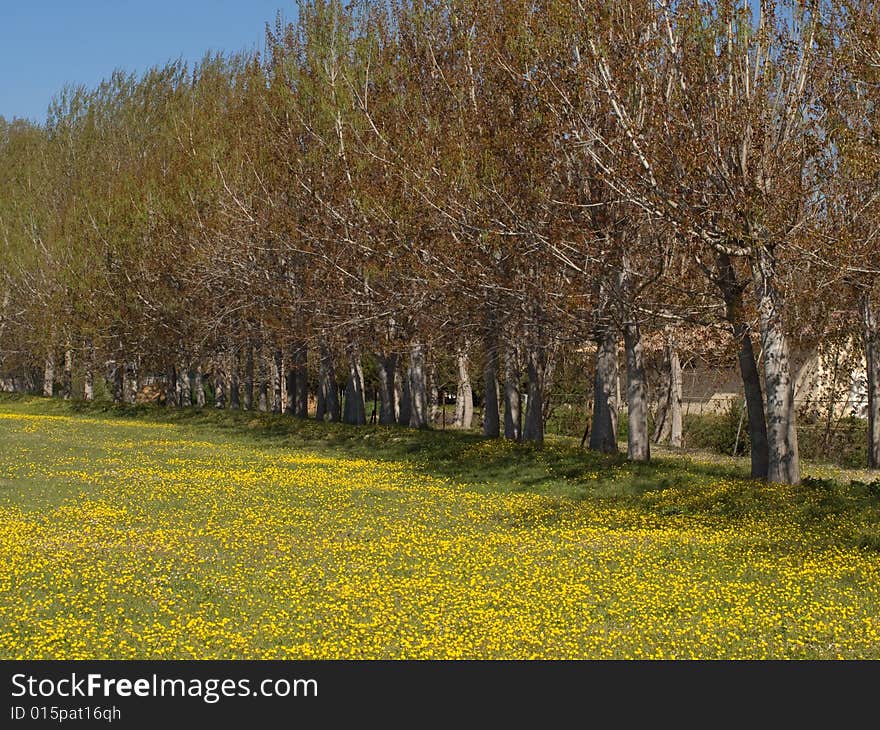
{"x":145,"y":532}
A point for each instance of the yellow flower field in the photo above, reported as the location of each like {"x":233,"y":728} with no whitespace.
{"x":134,"y":539}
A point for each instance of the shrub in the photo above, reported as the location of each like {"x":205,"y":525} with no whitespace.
{"x":718,"y":432}
{"x":845,"y":445}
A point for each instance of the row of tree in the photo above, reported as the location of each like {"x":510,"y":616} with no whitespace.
{"x":502,"y":184}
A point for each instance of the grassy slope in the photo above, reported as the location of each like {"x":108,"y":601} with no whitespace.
{"x":149,"y":533}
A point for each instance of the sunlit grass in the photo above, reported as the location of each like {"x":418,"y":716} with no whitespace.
{"x":136,"y":537}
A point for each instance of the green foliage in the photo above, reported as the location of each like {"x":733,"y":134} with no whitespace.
{"x":847,"y":445}
{"x":723,"y":433}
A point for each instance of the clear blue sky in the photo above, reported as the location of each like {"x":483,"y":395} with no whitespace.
{"x":45,"y":44}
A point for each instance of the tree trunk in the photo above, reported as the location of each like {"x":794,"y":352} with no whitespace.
{"x":512,"y":416}
{"x":334,"y":400}
{"x":603,"y":433}
{"x":434,"y":412}
{"x":748,"y":366}
{"x":871,"y":331}
{"x":234,"y":389}
{"x":234,"y":385}
{"x":301,"y":370}
{"x":418,"y":388}
{"x":277,"y":382}
{"x":219,"y":386}
{"x":387,"y":366}
{"x":89,"y":383}
{"x":404,"y":400}
{"x":663,"y":422}
{"x":184,"y":390}
{"x":783,"y":465}
{"x":534,"y":422}
{"x":170,"y":386}
{"x":491,"y":415}
{"x":289,"y":396}
{"x":638,"y":442}
{"x":328,"y":391}
{"x":67,"y":375}
{"x":668,"y":426}
{"x":118,"y":381}
{"x":88,"y":370}
{"x":132,"y":383}
{"x":49,"y":377}
{"x":464,"y":397}
{"x":675,"y":389}
{"x":731,"y":292}
{"x":263,"y":404}
{"x":200,"y":387}
{"x":248,"y":394}
{"x":355,"y":409}
{"x":323,"y":386}
{"x":263,"y":378}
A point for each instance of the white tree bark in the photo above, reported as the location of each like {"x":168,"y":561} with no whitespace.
{"x":89,"y":383}
{"x":871,"y":330}
{"x":669,"y":416}
{"x":603,"y":433}
{"x":219,"y":384}
{"x":638,"y":441}
{"x":263,"y":378}
{"x":288,"y":396}
{"x":676,"y":436}
{"x":248,"y":389}
{"x":418,"y":387}
{"x":434,"y":413}
{"x":67,"y":375}
{"x":200,"y":387}
{"x":49,"y":377}
{"x":464,"y":398}
{"x":89,"y":371}
{"x":784,"y":464}
{"x":277,"y":382}
{"x":184,"y":389}
{"x":399,"y":379}
{"x":512,"y":416}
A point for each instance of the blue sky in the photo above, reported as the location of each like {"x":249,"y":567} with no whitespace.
{"x":47,"y":43}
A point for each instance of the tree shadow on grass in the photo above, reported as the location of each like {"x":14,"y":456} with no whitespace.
{"x":556,"y":467}
{"x":669,"y":485}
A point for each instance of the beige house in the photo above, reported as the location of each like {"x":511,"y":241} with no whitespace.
{"x":836,"y":378}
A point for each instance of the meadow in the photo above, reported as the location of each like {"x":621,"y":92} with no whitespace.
{"x":151,"y":533}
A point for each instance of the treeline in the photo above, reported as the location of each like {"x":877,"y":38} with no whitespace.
{"x":500,"y":184}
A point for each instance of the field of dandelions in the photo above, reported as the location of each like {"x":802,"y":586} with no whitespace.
{"x":125,"y":537}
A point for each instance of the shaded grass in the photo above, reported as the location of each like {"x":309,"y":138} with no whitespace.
{"x":557,"y":468}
